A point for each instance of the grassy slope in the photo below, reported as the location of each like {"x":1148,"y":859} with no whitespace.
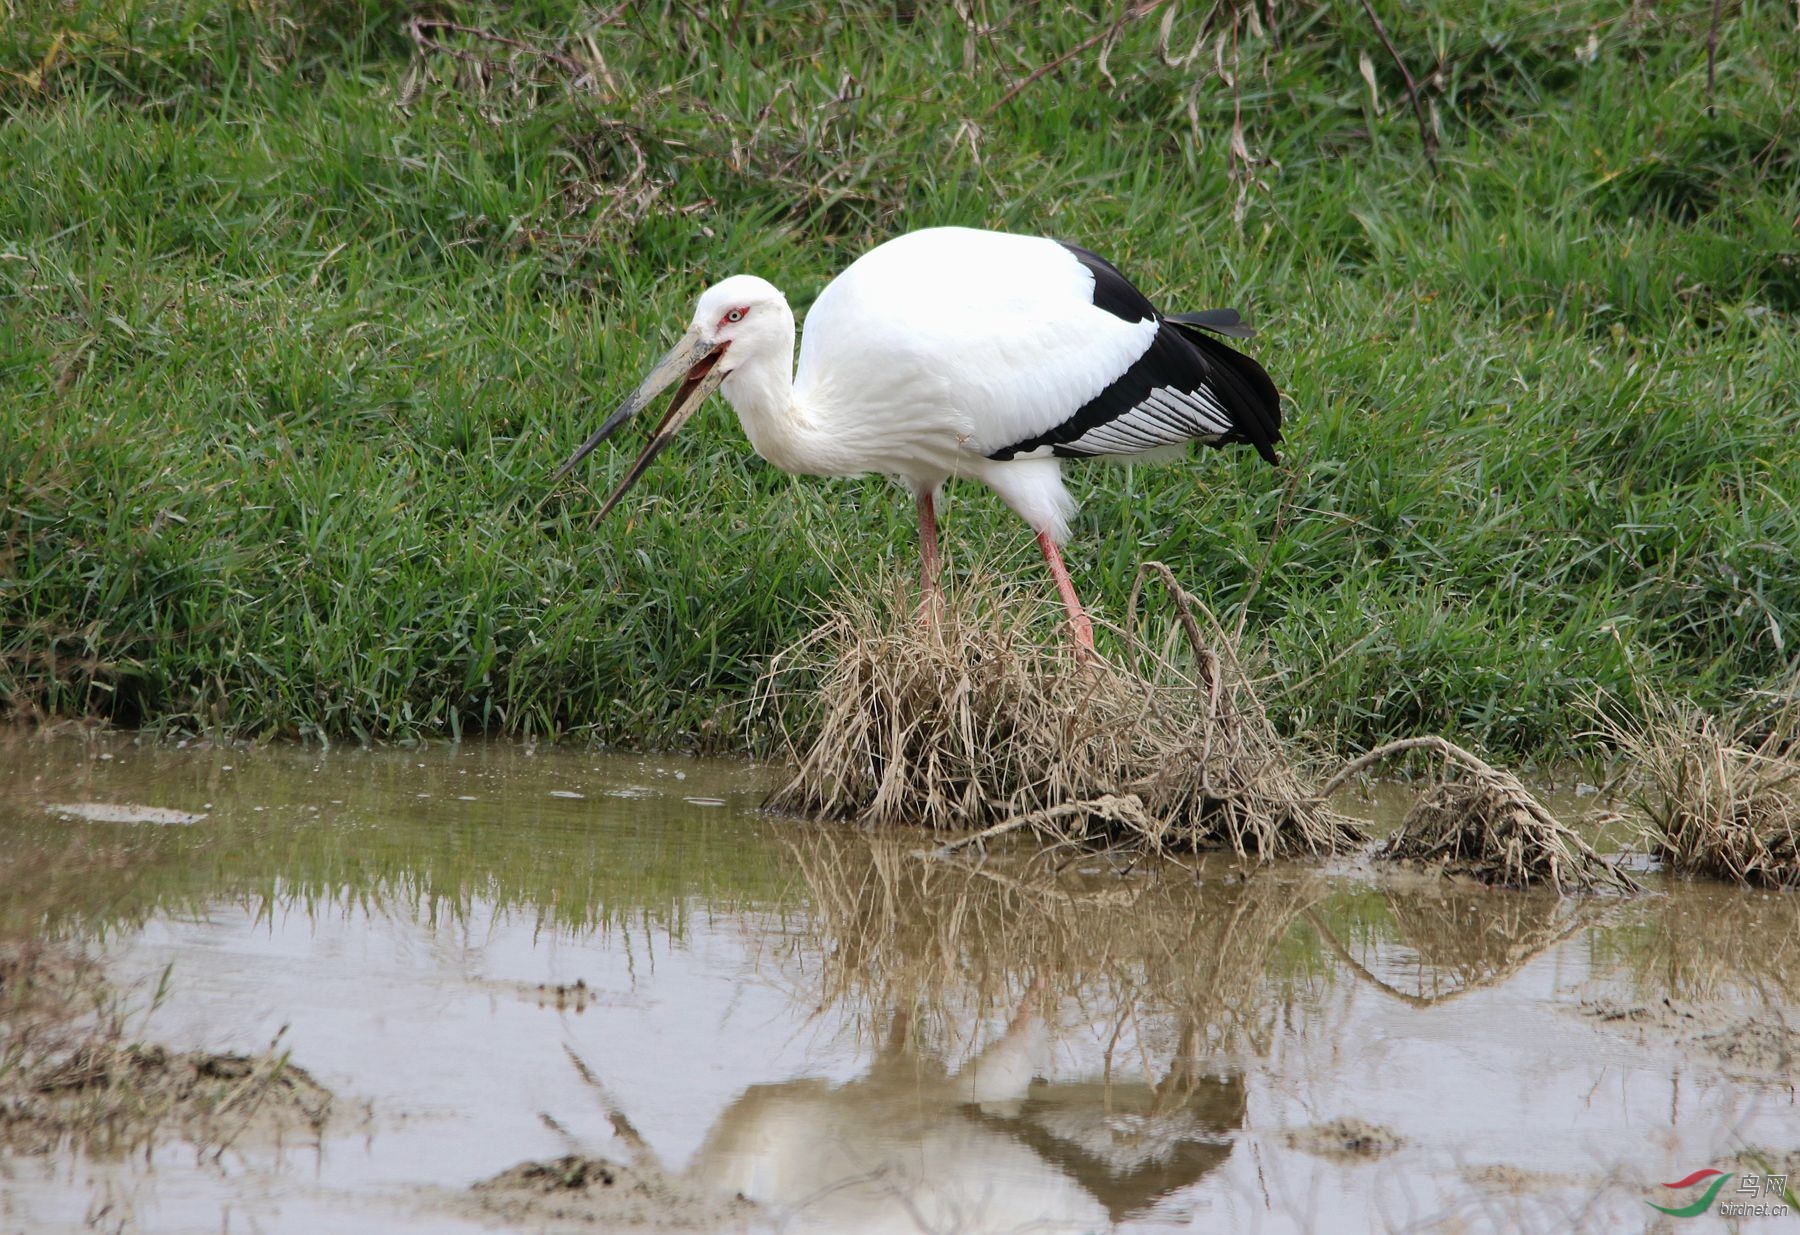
{"x":283,"y":367}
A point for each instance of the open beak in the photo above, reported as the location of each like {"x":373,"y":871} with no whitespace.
{"x":695,"y":362}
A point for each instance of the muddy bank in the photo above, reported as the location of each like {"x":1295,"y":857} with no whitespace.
{"x":580,"y":1191}
{"x":72,"y":1073}
{"x":1759,"y":1044}
{"x":1347,"y":1139}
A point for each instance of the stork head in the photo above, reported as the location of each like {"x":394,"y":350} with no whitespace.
{"x":745,"y":318}
{"x":738,"y":322}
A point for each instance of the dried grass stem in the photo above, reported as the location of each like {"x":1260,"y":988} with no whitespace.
{"x":975,"y":722}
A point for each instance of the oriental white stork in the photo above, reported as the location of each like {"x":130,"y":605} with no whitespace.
{"x":956,"y":352}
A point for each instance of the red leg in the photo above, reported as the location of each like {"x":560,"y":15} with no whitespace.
{"x":1079,"y":626}
{"x":931,"y":596}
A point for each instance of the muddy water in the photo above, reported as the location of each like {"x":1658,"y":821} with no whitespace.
{"x":494,"y":956}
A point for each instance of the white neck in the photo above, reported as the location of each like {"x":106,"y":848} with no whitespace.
{"x":761,"y":390}
{"x":781,"y":427}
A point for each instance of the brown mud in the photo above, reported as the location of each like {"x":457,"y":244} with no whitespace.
{"x":1348,"y":1137}
{"x":580,"y":1191}
{"x":1756,"y":1044}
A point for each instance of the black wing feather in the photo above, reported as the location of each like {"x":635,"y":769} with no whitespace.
{"x":1186,"y":385}
{"x":1112,"y":290}
{"x":1248,"y":392}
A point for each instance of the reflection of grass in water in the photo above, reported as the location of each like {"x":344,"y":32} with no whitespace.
{"x":1423,"y":942}
{"x":951,"y":945}
{"x":585,"y":881}
{"x":597,"y":863}
{"x":1703,"y":942}
{"x":653,"y":872}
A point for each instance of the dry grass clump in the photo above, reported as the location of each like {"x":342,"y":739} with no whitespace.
{"x":1488,"y":826}
{"x":975,"y":721}
{"x":1494,"y":830}
{"x":1721,"y":796}
{"x":70,"y":1072}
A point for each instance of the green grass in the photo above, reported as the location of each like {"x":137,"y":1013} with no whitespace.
{"x":284,"y":366}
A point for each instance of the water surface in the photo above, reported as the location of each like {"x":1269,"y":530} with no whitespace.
{"x":493,"y":954}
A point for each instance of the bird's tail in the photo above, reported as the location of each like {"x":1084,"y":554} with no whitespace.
{"x":1219,"y":321}
{"x":1242,"y":384}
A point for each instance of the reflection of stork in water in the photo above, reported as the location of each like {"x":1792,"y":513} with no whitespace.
{"x":988,"y":1147}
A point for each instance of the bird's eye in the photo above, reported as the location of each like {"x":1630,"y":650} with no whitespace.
{"x":736,"y":315}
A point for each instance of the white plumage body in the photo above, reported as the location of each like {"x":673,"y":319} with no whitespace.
{"x":928,"y":354}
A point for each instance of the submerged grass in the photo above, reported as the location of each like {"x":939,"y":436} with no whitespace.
{"x":300,"y":302}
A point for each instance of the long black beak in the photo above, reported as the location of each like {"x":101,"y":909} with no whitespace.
{"x":695,"y":362}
